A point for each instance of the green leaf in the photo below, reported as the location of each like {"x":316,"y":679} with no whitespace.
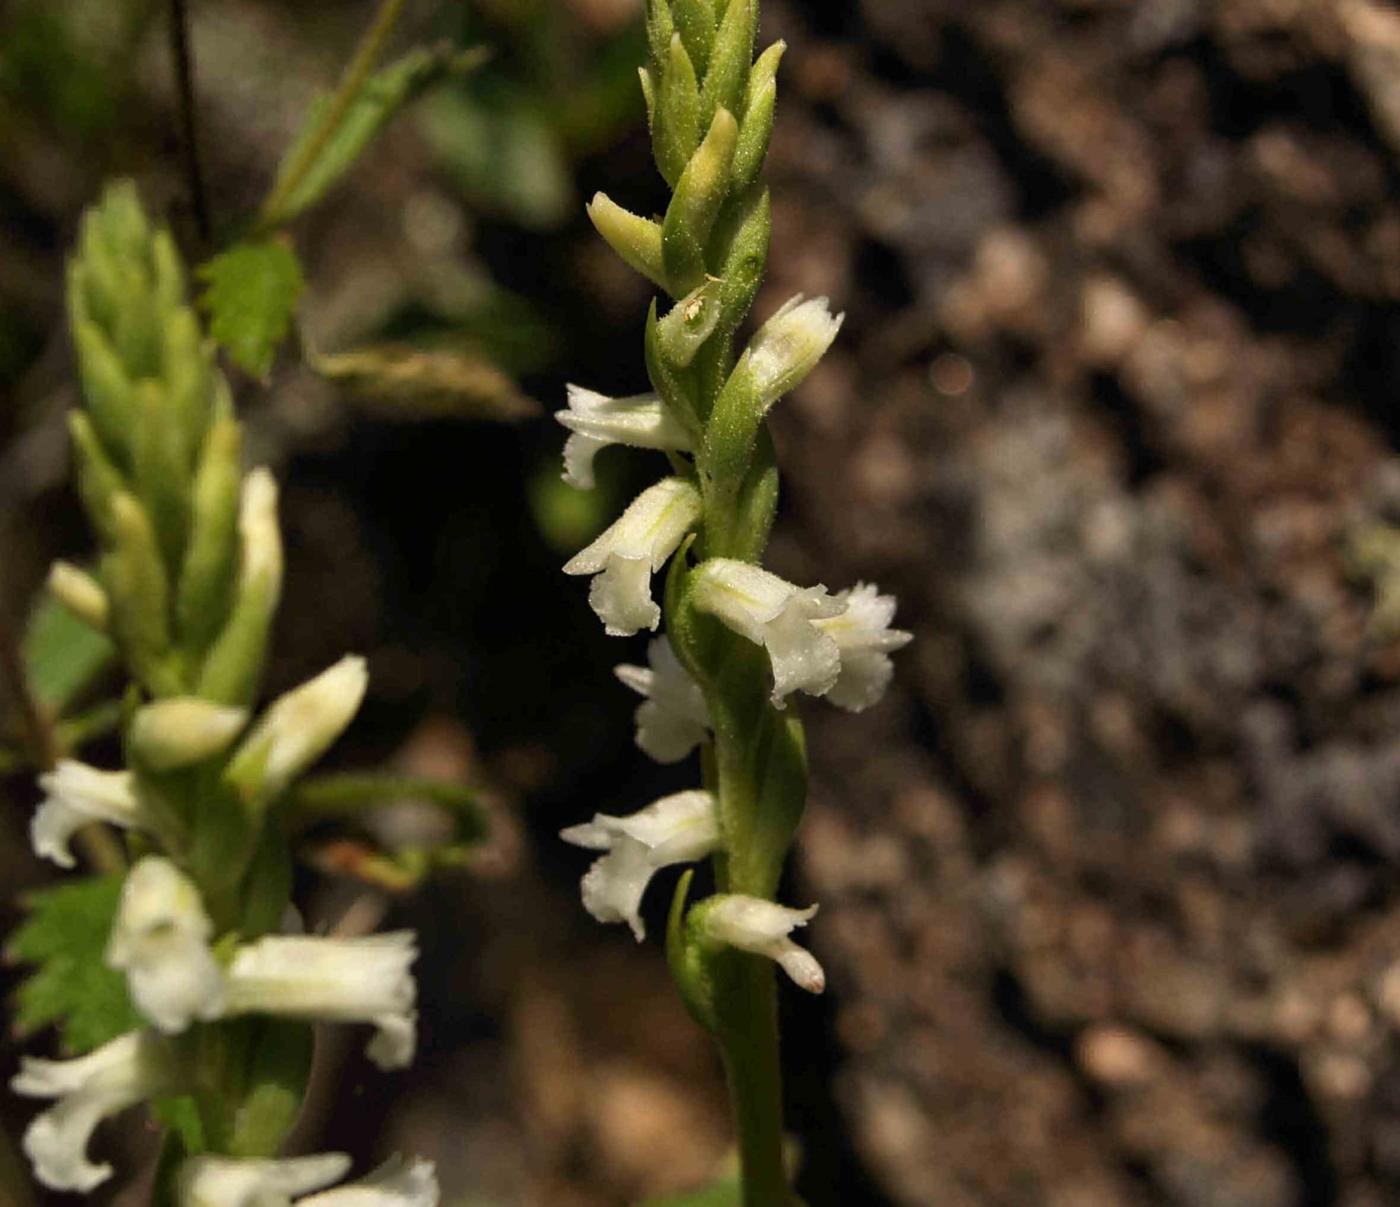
{"x":725,"y":1193}
{"x":319,"y":156}
{"x":66,"y":936}
{"x":253,"y":290}
{"x":426,"y":382}
{"x":63,"y":655}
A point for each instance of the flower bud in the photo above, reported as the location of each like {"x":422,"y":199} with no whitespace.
{"x":139,"y":591}
{"x":731,"y":57}
{"x":624,"y":557}
{"x":699,"y":194}
{"x":211,"y":558}
{"x":675,"y":123}
{"x":636,"y":240}
{"x":297,"y":729}
{"x":756,"y":126}
{"x":160,"y":939}
{"x":80,"y":593}
{"x":690,"y":322}
{"x":181,"y":730}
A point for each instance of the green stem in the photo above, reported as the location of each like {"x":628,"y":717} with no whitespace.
{"x":746,"y":999}
{"x":351,"y":81}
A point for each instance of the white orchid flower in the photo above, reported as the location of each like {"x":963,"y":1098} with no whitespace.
{"x":672,"y":720}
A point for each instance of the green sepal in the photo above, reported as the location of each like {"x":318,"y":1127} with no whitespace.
{"x":757,"y":505}
{"x":139,"y":592}
{"x":188,"y":374}
{"x":689,"y":967}
{"x":695,"y":21}
{"x":635,"y":239}
{"x":672,"y":386}
{"x":106,"y":388}
{"x":730,"y":60}
{"x":739,"y":249}
{"x":781,"y":770}
{"x":756,"y":128}
{"x":660,"y":29}
{"x":160,"y":468}
{"x":169,"y":274}
{"x":689,"y":323}
{"x":211,"y":559}
{"x":231,"y":671}
{"x":699,"y":195}
{"x":99,"y":480}
{"x":730,"y":433}
{"x":277,"y":1077}
{"x":675,"y":125}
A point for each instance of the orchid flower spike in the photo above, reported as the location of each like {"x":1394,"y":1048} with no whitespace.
{"x":863,"y":635}
{"x":672,"y":720}
{"x":299,"y":727}
{"x":160,"y":939}
{"x":631,"y":550}
{"x":764,"y":928}
{"x":596,"y":421}
{"x":772,"y":612}
{"x":360,"y":980}
{"x":209,"y":1181}
{"x":674,"y":829}
{"x":106,"y":1082}
{"x":77,"y":795}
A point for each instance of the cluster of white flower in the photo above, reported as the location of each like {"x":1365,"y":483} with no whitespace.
{"x":161,"y":940}
{"x":837,"y":646}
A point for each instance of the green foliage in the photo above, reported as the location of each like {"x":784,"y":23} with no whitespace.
{"x":724,"y":1193}
{"x":252,"y":292}
{"x":334,"y":136}
{"x":63,"y":655}
{"x":426,"y":381}
{"x":66,"y":935}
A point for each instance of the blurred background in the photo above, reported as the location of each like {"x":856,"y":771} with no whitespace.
{"x":1110,"y":904}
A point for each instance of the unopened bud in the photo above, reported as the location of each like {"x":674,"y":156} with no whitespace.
{"x":637,"y":240}
{"x":80,"y":593}
{"x":182,"y":730}
{"x":700,"y":192}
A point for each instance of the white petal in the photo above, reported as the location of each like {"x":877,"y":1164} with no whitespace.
{"x":614,"y":886}
{"x":160,"y":939}
{"x":362,"y":980}
{"x":76,"y":795}
{"x":393,"y":1184}
{"x":105,"y":1082}
{"x":788,"y":346}
{"x":865,"y":639}
{"x":673,"y":720}
{"x":181,"y":730}
{"x":596,"y":421}
{"x":763,"y":927}
{"x":626,"y":555}
{"x":233,"y":1182}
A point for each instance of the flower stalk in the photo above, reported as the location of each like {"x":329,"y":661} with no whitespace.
{"x":739,"y":641}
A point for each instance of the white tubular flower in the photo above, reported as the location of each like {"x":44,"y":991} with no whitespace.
{"x":181,"y":730}
{"x":788,"y":346}
{"x":672,"y":720}
{"x":396,"y":1183}
{"x":595,"y":421}
{"x":863,"y":635}
{"x":361,"y":980}
{"x":160,"y":939}
{"x":772,"y":612}
{"x":299,"y":727}
{"x":77,"y":795}
{"x":251,"y":1182}
{"x":628,"y":553}
{"x":104,"y":1083}
{"x":763,"y":927}
{"x":674,"y":829}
